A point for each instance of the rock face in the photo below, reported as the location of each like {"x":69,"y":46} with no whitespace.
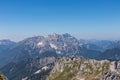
{"x":110,"y":76}
{"x":2,"y":77}
{"x":61,"y":44}
{"x":78,"y":68}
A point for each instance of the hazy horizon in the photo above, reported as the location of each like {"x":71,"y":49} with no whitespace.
{"x":85,"y":19}
{"x":20,"y":38}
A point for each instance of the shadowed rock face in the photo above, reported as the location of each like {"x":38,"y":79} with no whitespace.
{"x":33,"y":69}
{"x":110,"y":76}
{"x":77,"y":68}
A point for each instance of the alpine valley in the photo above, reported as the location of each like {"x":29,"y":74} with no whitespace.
{"x":59,"y":57}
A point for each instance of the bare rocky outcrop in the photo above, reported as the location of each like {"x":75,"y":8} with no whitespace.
{"x":78,"y":68}
{"x":2,"y":77}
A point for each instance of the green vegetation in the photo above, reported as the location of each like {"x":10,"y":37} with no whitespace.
{"x":96,"y":79}
{"x":67,"y":74}
{"x":105,"y":66}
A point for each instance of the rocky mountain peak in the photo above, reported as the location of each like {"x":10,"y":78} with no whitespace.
{"x":53,"y":35}
{"x":66,"y":35}
{"x":6,"y":42}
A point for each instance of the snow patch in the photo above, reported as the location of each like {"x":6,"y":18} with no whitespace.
{"x":59,"y":52}
{"x":26,"y":78}
{"x":53,"y":46}
{"x":40,"y":44}
{"x":37,"y":71}
{"x":43,"y":68}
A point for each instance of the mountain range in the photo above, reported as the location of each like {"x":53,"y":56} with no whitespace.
{"x":35,"y":57}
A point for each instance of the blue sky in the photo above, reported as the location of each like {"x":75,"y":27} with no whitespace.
{"x":89,"y":19}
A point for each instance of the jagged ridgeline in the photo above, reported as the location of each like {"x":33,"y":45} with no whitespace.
{"x":63,"y":44}
{"x":36,"y":57}
{"x":2,"y":77}
{"x":77,"y":68}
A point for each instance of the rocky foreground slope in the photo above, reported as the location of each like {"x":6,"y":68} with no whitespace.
{"x":2,"y":77}
{"x":78,"y":68}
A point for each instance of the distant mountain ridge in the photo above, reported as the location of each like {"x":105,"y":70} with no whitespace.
{"x":5,"y":45}
{"x":100,"y":45}
{"x":110,"y":54}
{"x":63,"y":44}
